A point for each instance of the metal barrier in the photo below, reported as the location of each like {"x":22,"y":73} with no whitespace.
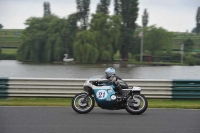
{"x":63,"y":87}
{"x":186,"y":89}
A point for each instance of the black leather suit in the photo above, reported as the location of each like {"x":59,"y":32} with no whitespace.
{"x":118,"y":83}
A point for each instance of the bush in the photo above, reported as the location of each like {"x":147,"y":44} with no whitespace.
{"x":106,"y":56}
{"x":137,"y":57}
{"x":197,"y":61}
{"x":117,"y":56}
{"x":190,"y":60}
{"x":176,"y":57}
{"x":7,"y":57}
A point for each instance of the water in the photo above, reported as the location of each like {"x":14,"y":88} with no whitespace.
{"x":16,"y":69}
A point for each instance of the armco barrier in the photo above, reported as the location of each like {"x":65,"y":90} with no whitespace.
{"x":63,"y":87}
{"x":186,"y":89}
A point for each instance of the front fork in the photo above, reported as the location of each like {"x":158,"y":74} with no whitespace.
{"x":85,"y":100}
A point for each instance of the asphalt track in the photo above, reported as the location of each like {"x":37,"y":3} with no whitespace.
{"x":65,"y":120}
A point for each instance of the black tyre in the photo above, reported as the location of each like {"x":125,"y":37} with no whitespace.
{"x":136,"y":104}
{"x":82,"y":106}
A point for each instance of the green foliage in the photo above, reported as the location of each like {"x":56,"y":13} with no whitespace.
{"x":43,"y":40}
{"x":198,"y":21}
{"x":7,"y":56}
{"x":190,"y":60}
{"x":72,"y":29}
{"x":103,"y":6}
{"x":145,"y":18}
{"x":1,"y":26}
{"x":194,"y":30}
{"x":117,"y":56}
{"x":188,"y":45}
{"x":136,"y":45}
{"x":129,"y":12}
{"x":106,"y":55}
{"x":157,"y":39}
{"x":83,"y":8}
{"x":11,"y":51}
{"x":107,"y":34}
{"x":59,"y":49}
{"x":197,"y":61}
{"x":47,"y":10}
{"x":85,"y":47}
{"x":117,"y":8}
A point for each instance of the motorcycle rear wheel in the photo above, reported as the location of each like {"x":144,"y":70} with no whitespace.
{"x":81,"y":106}
{"x":139,"y":104}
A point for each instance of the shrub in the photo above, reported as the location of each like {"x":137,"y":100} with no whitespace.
{"x":190,"y":60}
{"x":117,"y":56}
{"x":197,"y":61}
{"x":176,"y":57}
{"x":7,"y":57}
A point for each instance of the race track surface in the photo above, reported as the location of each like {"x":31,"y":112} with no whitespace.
{"x":65,"y":120}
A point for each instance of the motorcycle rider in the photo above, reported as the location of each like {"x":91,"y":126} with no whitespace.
{"x":116,"y":80}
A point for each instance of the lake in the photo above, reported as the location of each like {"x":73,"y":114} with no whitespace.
{"x":13,"y":68}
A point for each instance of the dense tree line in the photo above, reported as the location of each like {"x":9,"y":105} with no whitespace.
{"x":43,"y":40}
{"x":48,"y":38}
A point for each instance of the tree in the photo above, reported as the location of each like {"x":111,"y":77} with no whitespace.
{"x":43,"y":40}
{"x":117,"y":7}
{"x":188,"y":45}
{"x":107,"y":34}
{"x":194,"y":30}
{"x":103,"y":6}
{"x":1,"y":26}
{"x":129,"y":12}
{"x":83,"y":12}
{"x":85,"y":47}
{"x":198,"y":21}
{"x":47,"y":10}
{"x":71,"y":31}
{"x":145,"y":18}
{"x":157,"y":40}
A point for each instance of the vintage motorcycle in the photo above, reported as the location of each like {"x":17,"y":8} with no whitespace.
{"x":103,"y":91}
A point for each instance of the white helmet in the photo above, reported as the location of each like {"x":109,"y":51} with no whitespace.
{"x":109,"y":72}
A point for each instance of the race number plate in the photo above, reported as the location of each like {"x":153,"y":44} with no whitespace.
{"x":101,"y":94}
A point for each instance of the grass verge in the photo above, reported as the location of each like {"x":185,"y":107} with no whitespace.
{"x":153,"y":103}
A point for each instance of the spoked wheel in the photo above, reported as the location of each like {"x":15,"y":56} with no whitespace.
{"x":82,"y":103}
{"x":136,"y":104}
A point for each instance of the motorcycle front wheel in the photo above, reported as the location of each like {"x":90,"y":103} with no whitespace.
{"x":82,"y":103}
{"x":136,"y":104}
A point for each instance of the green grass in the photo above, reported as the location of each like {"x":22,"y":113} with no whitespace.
{"x":35,"y":102}
{"x":9,"y":38}
{"x":9,"y":51}
{"x":10,"y":32}
{"x":153,"y":103}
